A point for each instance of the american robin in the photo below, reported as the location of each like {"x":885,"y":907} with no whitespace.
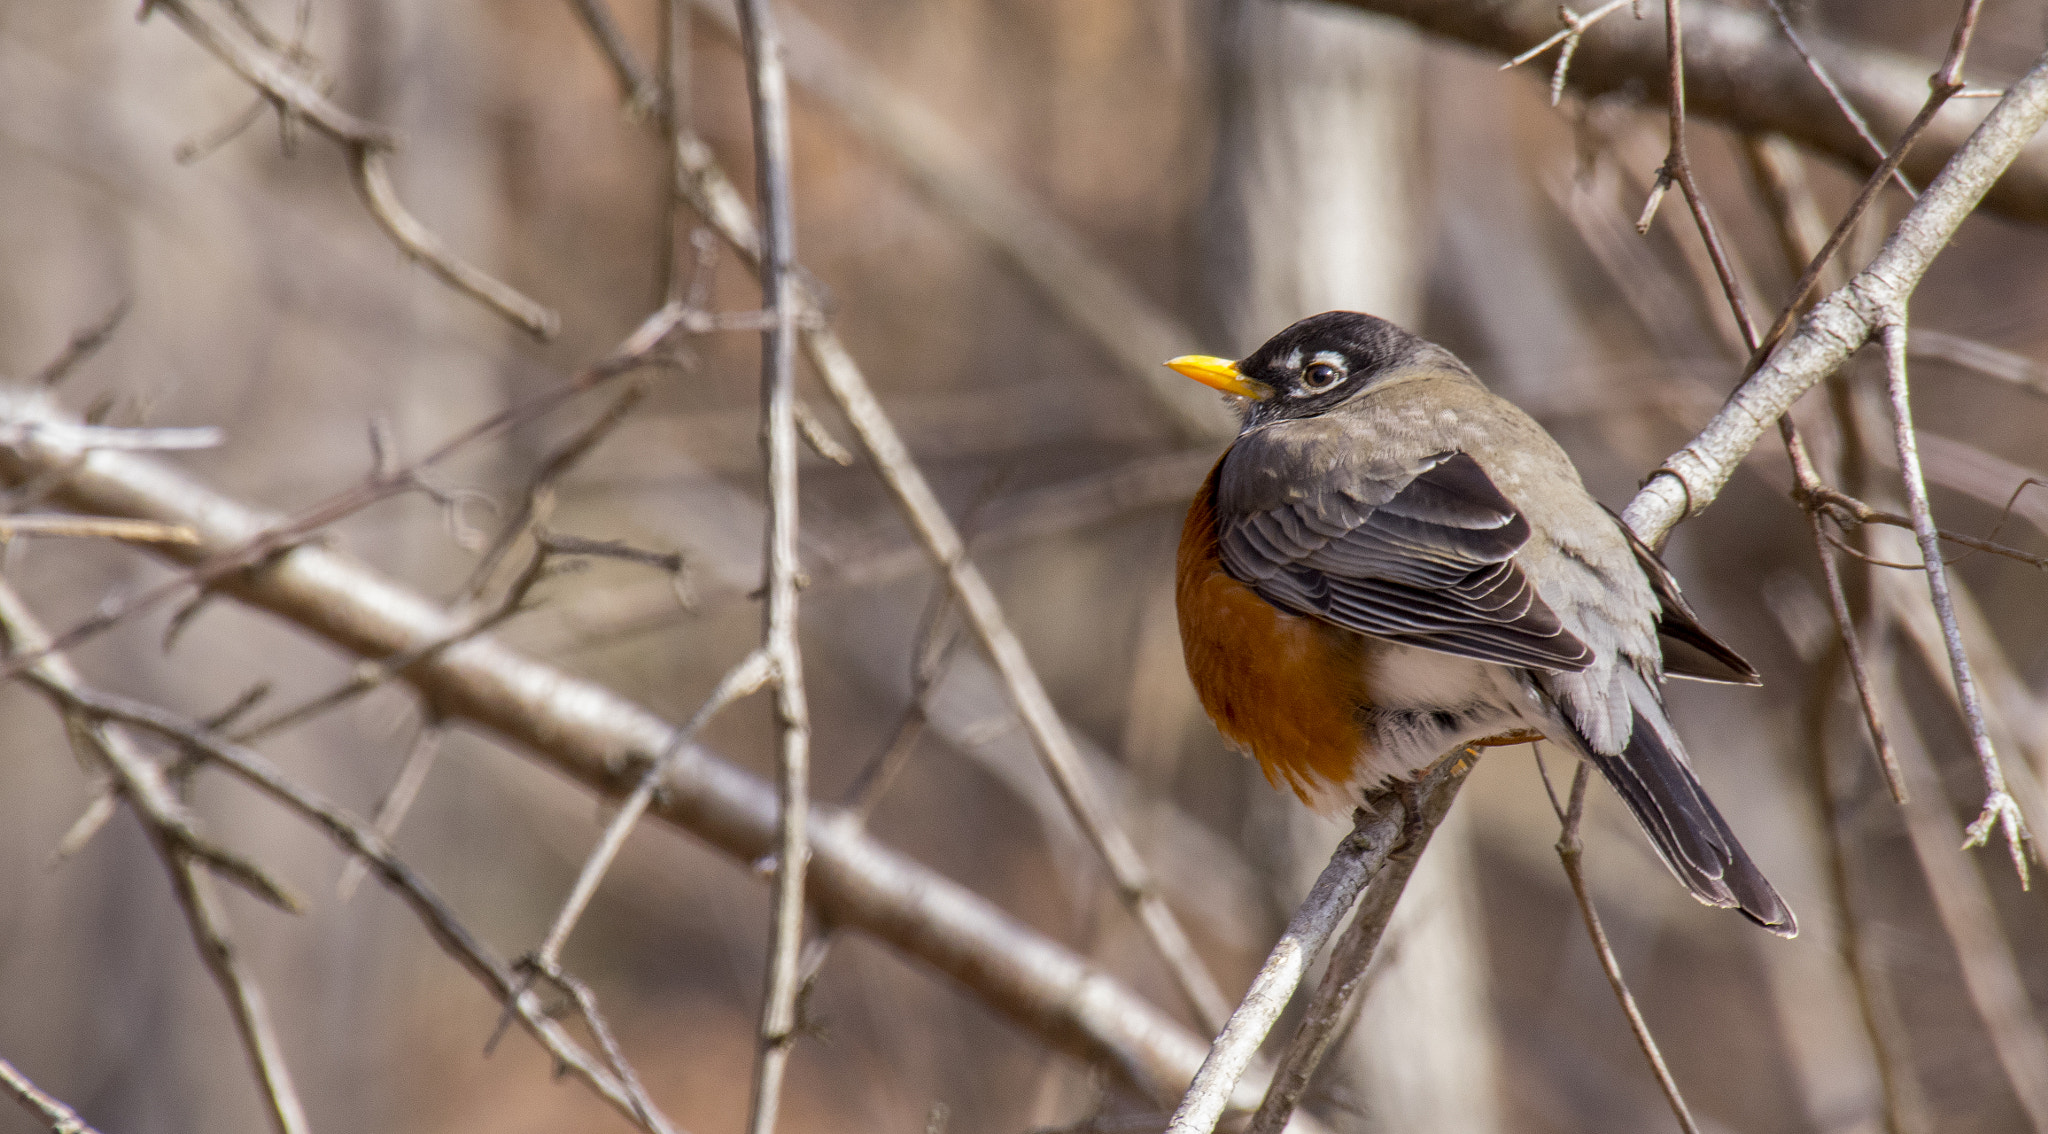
{"x":1391,"y":564}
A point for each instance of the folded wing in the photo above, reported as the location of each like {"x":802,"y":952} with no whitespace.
{"x":1433,"y":566}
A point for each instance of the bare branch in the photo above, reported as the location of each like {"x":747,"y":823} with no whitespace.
{"x":372,"y":169}
{"x":1352,"y":960}
{"x":768,"y":99}
{"x":285,"y":84}
{"x":184,"y":857}
{"x":1840,"y":324}
{"x":639,"y":90}
{"x":941,"y":162}
{"x":540,"y":484}
{"x":359,"y":839}
{"x":712,"y":194}
{"x":412,"y":776}
{"x":2000,"y":809}
{"x":82,"y":346}
{"x":1741,"y":71}
{"x":96,"y":527}
{"x":62,"y":1119}
{"x":1389,"y":820}
{"x":1991,"y":975}
{"x":1570,"y":851}
{"x":1678,"y":171}
{"x":756,"y":670}
{"x":114,"y":437}
{"x":595,"y":736}
{"x":1575,"y":26}
{"x":1834,"y":89}
{"x":129,"y":770}
{"x":1780,"y":173}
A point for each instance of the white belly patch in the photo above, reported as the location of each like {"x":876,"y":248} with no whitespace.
{"x":1426,"y":704}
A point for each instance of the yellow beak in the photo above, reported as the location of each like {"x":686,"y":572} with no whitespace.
{"x":1221,"y":374}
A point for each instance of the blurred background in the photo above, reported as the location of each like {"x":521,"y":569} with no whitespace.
{"x":1233,"y":166}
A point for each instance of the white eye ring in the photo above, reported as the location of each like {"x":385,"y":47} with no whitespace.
{"x":1320,"y":377}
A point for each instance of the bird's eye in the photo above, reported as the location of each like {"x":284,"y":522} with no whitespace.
{"x":1320,"y":376}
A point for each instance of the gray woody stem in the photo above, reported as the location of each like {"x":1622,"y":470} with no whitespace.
{"x":191,"y":871}
{"x":62,"y":1119}
{"x":768,"y":96}
{"x":1742,"y":71}
{"x":711,"y":193}
{"x":593,"y":735}
{"x":1351,"y":959}
{"x":1840,"y":324}
{"x":368,"y":147}
{"x":2000,"y":809}
{"x":1393,"y":821}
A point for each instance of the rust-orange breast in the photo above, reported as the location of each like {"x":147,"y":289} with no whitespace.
{"x":1283,"y":688}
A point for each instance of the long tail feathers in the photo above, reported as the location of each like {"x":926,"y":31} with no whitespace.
{"x":1653,"y":778}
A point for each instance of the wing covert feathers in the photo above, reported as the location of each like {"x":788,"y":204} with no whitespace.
{"x":1432,"y":566}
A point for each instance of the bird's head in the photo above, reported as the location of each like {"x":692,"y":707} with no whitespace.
{"x":1322,"y":362}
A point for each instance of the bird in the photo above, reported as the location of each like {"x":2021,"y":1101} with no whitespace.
{"x":1392,"y":565}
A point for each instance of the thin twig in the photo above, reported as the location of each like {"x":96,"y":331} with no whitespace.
{"x":1352,"y":959}
{"x":199,"y":147}
{"x":391,"y":811}
{"x":369,"y":675}
{"x":189,"y":868}
{"x":742,"y":680}
{"x":1845,"y":510}
{"x":768,"y":99}
{"x":1575,"y":26}
{"x":1747,"y":76}
{"x":2000,"y":809}
{"x":1905,"y":1110}
{"x":591,"y":734}
{"x":357,"y":838}
{"x":540,"y":484}
{"x":641,"y":93}
{"x":96,"y":527}
{"x":111,"y":436}
{"x":372,"y":169}
{"x":1962,"y":901}
{"x":53,"y":1110}
{"x":1840,"y":324}
{"x":1391,"y":819}
{"x":1678,"y":170}
{"x":711,"y":193}
{"x":1781,"y":176}
{"x":947,"y":166}
{"x":82,"y":346}
{"x":287,"y":86}
{"x":1827,"y":81}
{"x":128,"y":770}
{"x":33,"y":426}
{"x":1859,"y":668}
{"x":673,"y":105}
{"x":1569,"y":851}
{"x":1941,"y":87}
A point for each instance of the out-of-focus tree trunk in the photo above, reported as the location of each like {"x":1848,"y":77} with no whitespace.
{"x":1315,"y":207}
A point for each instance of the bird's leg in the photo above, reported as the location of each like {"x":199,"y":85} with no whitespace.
{"x":1468,"y":752}
{"x":1518,"y":736}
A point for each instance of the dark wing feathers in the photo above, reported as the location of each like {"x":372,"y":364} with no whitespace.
{"x":1689,"y":650}
{"x":1433,"y":566}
